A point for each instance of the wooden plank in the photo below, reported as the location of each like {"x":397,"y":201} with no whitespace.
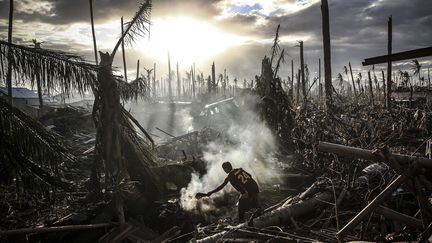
{"x":412,"y":54}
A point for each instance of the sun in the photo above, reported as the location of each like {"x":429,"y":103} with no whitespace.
{"x":187,"y":40}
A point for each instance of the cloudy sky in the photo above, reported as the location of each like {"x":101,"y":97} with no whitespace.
{"x":236,"y":34}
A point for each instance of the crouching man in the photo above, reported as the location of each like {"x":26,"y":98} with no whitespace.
{"x":243,"y":182}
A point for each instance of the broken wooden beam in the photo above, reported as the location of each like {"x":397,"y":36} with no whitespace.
{"x":412,"y":54}
{"x":54,"y":229}
{"x":358,"y":153}
{"x":375,"y":203}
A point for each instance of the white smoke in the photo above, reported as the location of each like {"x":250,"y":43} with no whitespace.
{"x":250,"y":147}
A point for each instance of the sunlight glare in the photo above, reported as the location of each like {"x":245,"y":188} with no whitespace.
{"x":188,"y":40}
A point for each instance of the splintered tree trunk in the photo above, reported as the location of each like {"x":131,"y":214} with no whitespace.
{"x":352,"y":79}
{"x":213,"y":82}
{"x":327,"y":54}
{"x":109,"y":123}
{"x":370,"y":89}
{"x":389,"y":64}
{"x":9,"y":71}
{"x":281,"y":215}
{"x":298,"y":87}
{"x":303,"y":80}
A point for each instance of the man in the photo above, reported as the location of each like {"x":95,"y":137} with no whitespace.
{"x":243,"y":183}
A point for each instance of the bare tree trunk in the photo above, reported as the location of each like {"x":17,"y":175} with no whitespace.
{"x":154,"y":81}
{"x":213,"y":78}
{"x":319,"y":79}
{"x":137,"y":75}
{"x":298,"y":87}
{"x":352,"y":79}
{"x":384,"y":88}
{"x":389,"y":64}
{"x":193,"y":82}
{"x":169,"y":78}
{"x":327,"y":54}
{"x":292,"y":78}
{"x":370,"y":89}
{"x":93,"y":32}
{"x":302,"y":68}
{"x":428,"y":79}
{"x":9,"y":71}
{"x":123,"y":52}
{"x":178,"y":83}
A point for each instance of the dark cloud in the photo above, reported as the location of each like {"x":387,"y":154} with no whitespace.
{"x":358,"y":28}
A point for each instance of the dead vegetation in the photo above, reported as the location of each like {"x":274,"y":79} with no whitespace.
{"x":349,"y":167}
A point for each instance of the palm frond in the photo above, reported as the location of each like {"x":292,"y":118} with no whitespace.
{"x":58,"y":70}
{"x":133,"y":90}
{"x":28,"y":150}
{"x":138,"y":26}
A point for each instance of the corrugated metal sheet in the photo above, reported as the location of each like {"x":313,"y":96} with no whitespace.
{"x":20,"y":93}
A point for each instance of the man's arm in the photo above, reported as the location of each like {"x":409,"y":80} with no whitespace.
{"x":200,"y":195}
{"x":219,"y":187}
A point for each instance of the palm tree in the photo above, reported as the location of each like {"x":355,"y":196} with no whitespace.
{"x":416,"y":68}
{"x":119,"y":148}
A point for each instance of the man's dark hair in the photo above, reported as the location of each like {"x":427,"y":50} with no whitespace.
{"x":227,"y":166}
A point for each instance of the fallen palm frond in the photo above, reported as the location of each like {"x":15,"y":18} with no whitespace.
{"x":29,"y":152}
{"x":58,"y":70}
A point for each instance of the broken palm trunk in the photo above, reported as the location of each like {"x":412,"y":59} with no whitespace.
{"x":287,"y":212}
{"x":275,"y":103}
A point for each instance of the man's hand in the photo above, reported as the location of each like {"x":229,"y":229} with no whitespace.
{"x":200,"y":195}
